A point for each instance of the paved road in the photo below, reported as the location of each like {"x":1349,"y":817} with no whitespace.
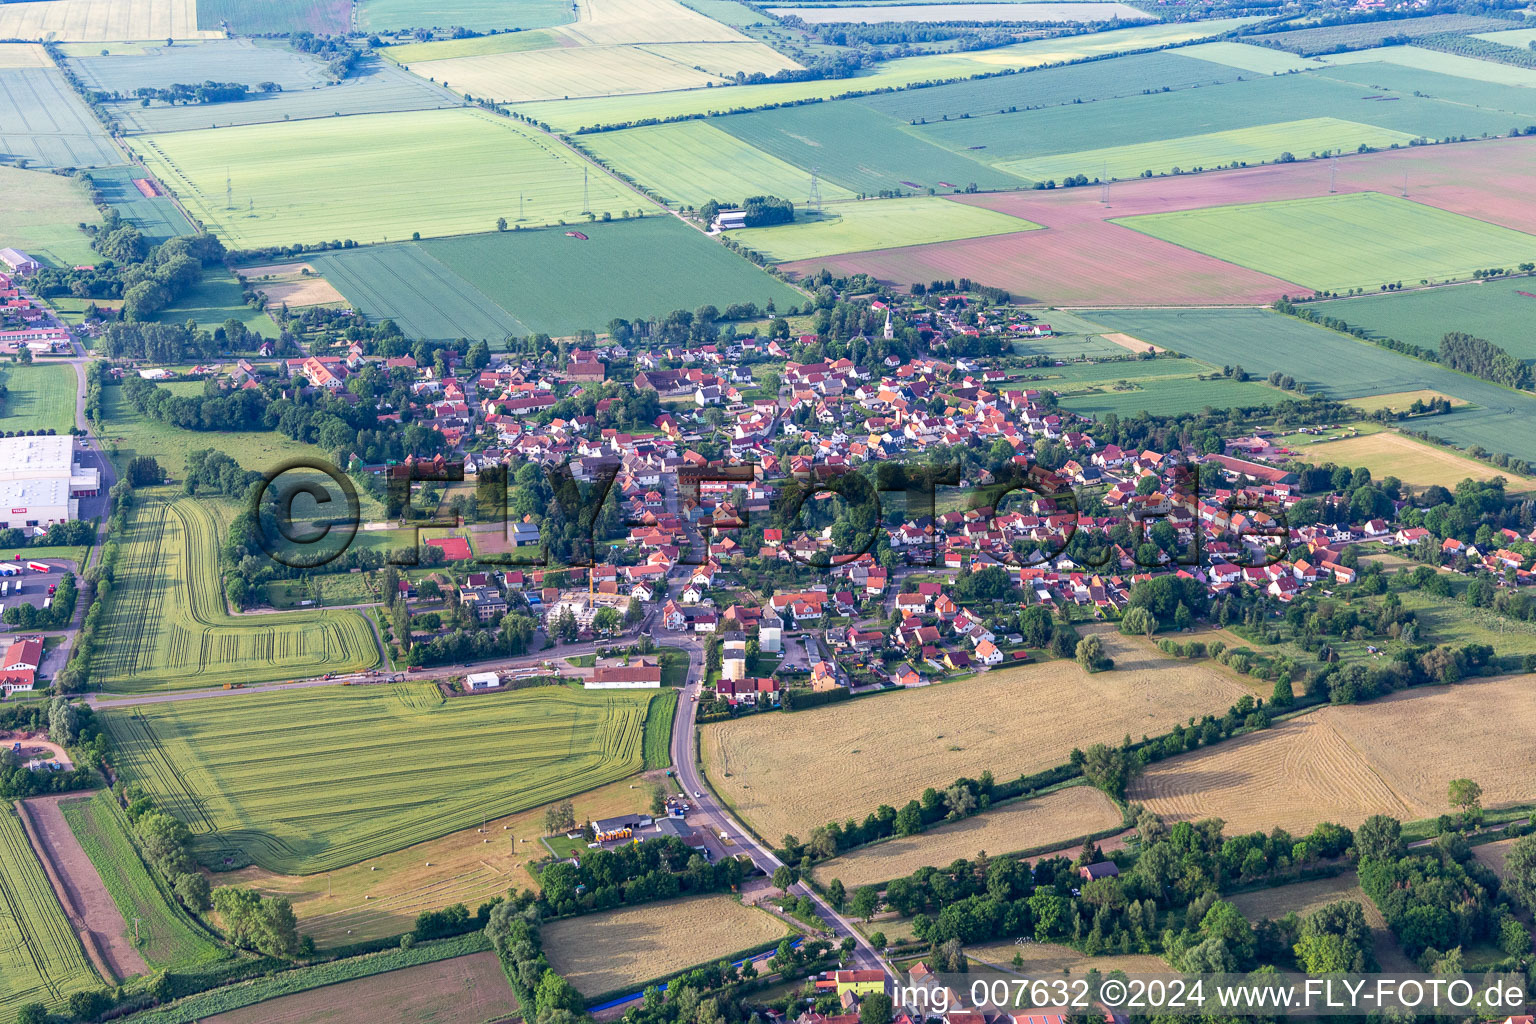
{"x":706,"y":809}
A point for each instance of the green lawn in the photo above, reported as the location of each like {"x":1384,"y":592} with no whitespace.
{"x":39,"y":397}
{"x":1359,"y":240}
{"x":1494,"y":310}
{"x":436,"y":172}
{"x":876,"y":224}
{"x":43,"y":212}
{"x":167,"y":936}
{"x":674,"y":666}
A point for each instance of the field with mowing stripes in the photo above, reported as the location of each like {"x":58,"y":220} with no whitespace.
{"x":302,"y":781}
{"x":168,"y":626}
{"x":438,"y":172}
{"x":169,"y":938}
{"x":40,"y":956}
{"x":46,"y":122}
{"x":39,"y":397}
{"x":1374,"y":239}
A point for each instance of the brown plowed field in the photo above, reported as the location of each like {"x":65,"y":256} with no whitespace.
{"x":85,"y":899}
{"x":1081,"y":259}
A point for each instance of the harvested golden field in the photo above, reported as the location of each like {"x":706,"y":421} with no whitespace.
{"x":1128,"y":342}
{"x":1399,"y":401}
{"x":1493,"y":855}
{"x":788,"y":773}
{"x":1342,"y":764}
{"x":1306,"y":897}
{"x":601,"y":953}
{"x":381,"y":896}
{"x":465,"y":988}
{"x":1388,"y":453}
{"x":23,"y":55}
{"x":1043,"y":958}
{"x":291,"y":284}
{"x":1051,"y":820}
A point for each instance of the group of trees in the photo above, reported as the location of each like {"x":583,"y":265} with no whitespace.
{"x":67,"y":724}
{"x":1484,"y":359}
{"x":634,"y":873}
{"x":166,"y":843}
{"x":543,"y":996}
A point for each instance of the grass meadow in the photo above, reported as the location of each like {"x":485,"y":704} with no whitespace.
{"x":1372,"y":239}
{"x":42,"y":216}
{"x":303,"y":781}
{"x":168,"y":626}
{"x":876,"y":224}
{"x":1169,"y":396}
{"x":41,"y":960}
{"x":39,"y":397}
{"x":213,"y":300}
{"x":1495,"y":310}
{"x":169,"y":939}
{"x":692,"y":162}
{"x":435,"y":172}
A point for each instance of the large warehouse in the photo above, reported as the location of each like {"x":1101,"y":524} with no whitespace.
{"x":40,"y":482}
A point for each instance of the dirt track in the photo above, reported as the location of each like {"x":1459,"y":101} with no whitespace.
{"x":94,"y":916}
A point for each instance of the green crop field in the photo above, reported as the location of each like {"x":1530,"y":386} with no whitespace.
{"x":876,"y":224}
{"x":1360,"y":240}
{"x":1257,"y":145}
{"x":1244,"y":57}
{"x":1494,"y":310}
{"x":168,"y":938}
{"x":569,"y":115}
{"x":157,"y":218}
{"x":1251,"y":103}
{"x":692,"y":162}
{"x":646,"y":267}
{"x":861,"y":150}
{"x":42,"y":216}
{"x":168,"y":626}
{"x":1328,"y":38}
{"x":40,"y":958}
{"x":480,"y":15}
{"x":1169,"y":396}
{"x":403,"y":283}
{"x":729,"y":12}
{"x":1336,"y":365}
{"x":658,"y":730}
{"x":47,"y":124}
{"x":1518,"y":100}
{"x":39,"y":397}
{"x":436,"y":172}
{"x":309,"y":780}
{"x":1419,"y":59}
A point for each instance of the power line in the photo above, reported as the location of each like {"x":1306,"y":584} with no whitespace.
{"x":813,"y":201}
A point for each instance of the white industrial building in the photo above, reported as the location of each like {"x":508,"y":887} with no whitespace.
{"x":40,"y":482}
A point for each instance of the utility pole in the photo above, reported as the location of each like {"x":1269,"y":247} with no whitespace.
{"x":586,"y":206}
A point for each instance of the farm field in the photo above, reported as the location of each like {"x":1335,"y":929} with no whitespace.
{"x":169,"y":626}
{"x":229,"y":768}
{"x":24,"y":55}
{"x":169,"y":938}
{"x":156,"y":218}
{"x":213,"y":300}
{"x":285,"y":188}
{"x":248,"y":61}
{"x":692,"y":162}
{"x":375,"y":87}
{"x":1510,"y":37}
{"x":1260,"y":144}
{"x":875,"y":224}
{"x":43,"y":121}
{"x":43,"y":214}
{"x":1342,"y":764}
{"x":573,"y":114}
{"x":1042,"y":958}
{"x":1495,"y":310}
{"x":1054,"y":819}
{"x":1045,"y":10}
{"x":275,"y":17}
{"x":1515,"y":99}
{"x":475,"y":46}
{"x":295,"y":285}
{"x":1389,"y":239}
{"x":404,"y":283}
{"x":39,"y":397}
{"x":461,"y":989}
{"x":652,"y":265}
{"x":40,"y":956}
{"x":101,"y":20}
{"x":1442,"y":64}
{"x":1493,"y":855}
{"x":1171,"y":396}
{"x":601,"y":953}
{"x":479,"y":15}
{"x":1246,"y":57}
{"x":381,"y":896}
{"x":1307,"y":897}
{"x":1052,"y":86}
{"x":728,"y":12}
{"x":1262,"y":342}
{"x":861,"y":150}
{"x":1356,"y":37}
{"x":948,"y":731}
{"x":1415,"y":463}
{"x":1400,"y":401}
{"x":614,"y":22}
